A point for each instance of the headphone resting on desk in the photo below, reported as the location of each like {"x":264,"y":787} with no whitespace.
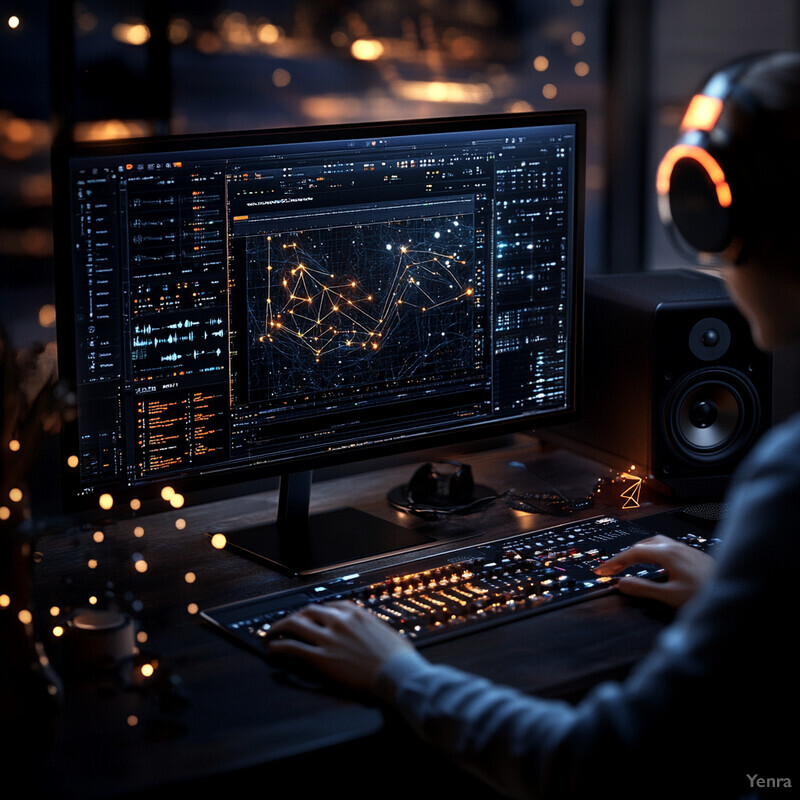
{"x":434,"y":493}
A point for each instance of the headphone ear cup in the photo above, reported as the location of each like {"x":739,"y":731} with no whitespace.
{"x":462,"y":485}
{"x":423,"y":484}
{"x":695,"y":210}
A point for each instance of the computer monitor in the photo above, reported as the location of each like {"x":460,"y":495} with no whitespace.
{"x":271,"y":302}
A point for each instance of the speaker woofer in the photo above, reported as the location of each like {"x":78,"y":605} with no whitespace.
{"x":712,"y":414}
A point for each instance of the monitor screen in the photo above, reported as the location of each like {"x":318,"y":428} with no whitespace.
{"x":267,"y":303}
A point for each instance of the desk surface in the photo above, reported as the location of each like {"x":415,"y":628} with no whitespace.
{"x":212,"y":709}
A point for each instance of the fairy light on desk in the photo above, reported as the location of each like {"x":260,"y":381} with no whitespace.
{"x":557,"y":503}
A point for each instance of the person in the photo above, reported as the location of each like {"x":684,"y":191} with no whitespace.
{"x":711,"y":710}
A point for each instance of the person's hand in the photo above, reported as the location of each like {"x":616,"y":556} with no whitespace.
{"x":686,"y":569}
{"x":339,"y":640}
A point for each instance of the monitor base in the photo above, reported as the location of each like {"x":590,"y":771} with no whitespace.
{"x":333,"y":539}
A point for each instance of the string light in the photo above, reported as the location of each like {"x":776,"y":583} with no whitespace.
{"x":179,"y":31}
{"x":47,"y":315}
{"x":366,"y":49}
{"x":556,"y":503}
{"x":136,"y":33}
{"x":219,"y":541}
{"x":281,"y":77}
{"x":176,"y":501}
{"x":268,"y":33}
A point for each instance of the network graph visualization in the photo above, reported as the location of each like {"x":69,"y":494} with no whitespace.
{"x":341,"y":306}
{"x":263,"y":301}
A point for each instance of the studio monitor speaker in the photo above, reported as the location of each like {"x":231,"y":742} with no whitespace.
{"x":672,"y":380}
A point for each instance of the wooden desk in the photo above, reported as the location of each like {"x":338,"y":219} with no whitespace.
{"x":212,"y":711}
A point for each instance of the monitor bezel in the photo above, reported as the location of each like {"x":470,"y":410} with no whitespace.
{"x":74,"y":499}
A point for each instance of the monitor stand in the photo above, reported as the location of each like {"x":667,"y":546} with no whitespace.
{"x":300,"y":543}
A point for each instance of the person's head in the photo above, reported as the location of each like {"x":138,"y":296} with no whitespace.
{"x":727,"y":189}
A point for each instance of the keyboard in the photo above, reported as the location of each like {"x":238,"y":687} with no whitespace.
{"x":462,"y":591}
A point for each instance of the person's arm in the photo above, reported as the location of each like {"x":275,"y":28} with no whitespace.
{"x":686,"y":570}
{"x":496,"y":732}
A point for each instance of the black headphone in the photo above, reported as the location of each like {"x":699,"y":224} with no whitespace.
{"x":709,"y":183}
{"x":440,"y":490}
{"x":433,"y":485}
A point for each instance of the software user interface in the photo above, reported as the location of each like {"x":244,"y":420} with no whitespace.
{"x":250,"y":305}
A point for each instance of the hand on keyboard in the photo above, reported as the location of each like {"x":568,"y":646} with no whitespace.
{"x":685,"y":570}
{"x":339,"y":640}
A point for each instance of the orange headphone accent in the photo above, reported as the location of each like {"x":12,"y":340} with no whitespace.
{"x":696,"y":199}
{"x":706,"y":161}
{"x":702,"y":113}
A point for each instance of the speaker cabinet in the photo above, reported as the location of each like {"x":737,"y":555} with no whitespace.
{"x":672,"y":380}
